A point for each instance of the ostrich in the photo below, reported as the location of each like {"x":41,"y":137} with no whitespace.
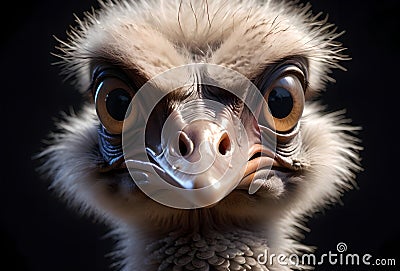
{"x":201,"y":142}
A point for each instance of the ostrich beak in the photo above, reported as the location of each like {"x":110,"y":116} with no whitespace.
{"x":198,"y":156}
{"x":203,"y":152}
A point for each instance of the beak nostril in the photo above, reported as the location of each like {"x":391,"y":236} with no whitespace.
{"x":224,"y":144}
{"x":185,"y":144}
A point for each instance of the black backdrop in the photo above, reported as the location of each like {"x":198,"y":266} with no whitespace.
{"x":37,"y":231}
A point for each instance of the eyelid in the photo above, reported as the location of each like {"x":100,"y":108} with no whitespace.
{"x":270,"y":78}
{"x":101,"y":72}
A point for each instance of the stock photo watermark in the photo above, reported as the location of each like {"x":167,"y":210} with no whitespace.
{"x":337,"y":257}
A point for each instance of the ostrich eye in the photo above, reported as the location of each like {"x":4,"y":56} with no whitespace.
{"x":112,"y":98}
{"x":284,"y":96}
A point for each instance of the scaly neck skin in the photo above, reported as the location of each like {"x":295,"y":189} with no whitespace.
{"x":199,"y":242}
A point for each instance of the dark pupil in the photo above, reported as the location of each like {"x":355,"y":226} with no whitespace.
{"x":280,"y":102}
{"x":117,"y":103}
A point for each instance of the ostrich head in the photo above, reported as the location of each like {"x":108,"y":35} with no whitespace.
{"x":201,"y":142}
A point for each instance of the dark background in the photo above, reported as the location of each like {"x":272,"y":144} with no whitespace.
{"x":38,"y":232}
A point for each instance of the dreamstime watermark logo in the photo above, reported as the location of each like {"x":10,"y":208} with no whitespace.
{"x":338,"y":257}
